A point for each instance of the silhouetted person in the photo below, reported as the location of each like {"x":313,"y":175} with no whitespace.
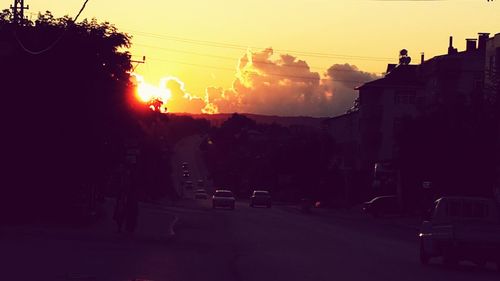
{"x":131,"y":213}
{"x":120,"y":211}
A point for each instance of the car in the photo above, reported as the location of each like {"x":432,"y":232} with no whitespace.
{"x":185,"y":165}
{"x":223,"y":198}
{"x":200,"y":194}
{"x":200,"y":183}
{"x":260,"y":198}
{"x":461,"y":229}
{"x":186,"y":175}
{"x":188,"y":184}
{"x":382,"y":205}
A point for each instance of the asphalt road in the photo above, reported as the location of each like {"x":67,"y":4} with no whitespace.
{"x":187,"y":150}
{"x":245,"y":244}
{"x":283,"y":244}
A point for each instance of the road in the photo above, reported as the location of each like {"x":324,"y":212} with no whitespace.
{"x":279,"y":243}
{"x":282,"y":244}
{"x":187,"y":150}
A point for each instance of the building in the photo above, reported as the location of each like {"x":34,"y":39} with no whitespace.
{"x":453,"y":81}
{"x":345,"y":129}
{"x":456,"y":78}
{"x":347,"y":158}
{"x":383,"y":104}
{"x":492,"y":91}
{"x":492,"y":67}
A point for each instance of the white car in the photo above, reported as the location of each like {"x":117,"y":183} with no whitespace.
{"x":461,"y":228}
{"x":223,"y":198}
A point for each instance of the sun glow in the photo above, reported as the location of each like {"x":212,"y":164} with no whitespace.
{"x":147,"y":93}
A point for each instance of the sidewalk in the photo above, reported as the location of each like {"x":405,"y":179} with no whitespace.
{"x":154,"y":224}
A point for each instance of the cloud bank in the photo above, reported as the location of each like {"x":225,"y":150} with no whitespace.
{"x":270,"y":84}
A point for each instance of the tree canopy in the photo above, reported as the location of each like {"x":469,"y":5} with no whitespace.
{"x":66,"y":94}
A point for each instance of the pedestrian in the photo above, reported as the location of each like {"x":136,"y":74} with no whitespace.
{"x":119,"y":213}
{"x":131,"y":213}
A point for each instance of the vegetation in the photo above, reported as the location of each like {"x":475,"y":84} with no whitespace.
{"x":70,"y":116}
{"x":292,"y":162}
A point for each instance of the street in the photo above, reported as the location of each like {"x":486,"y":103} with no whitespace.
{"x":282,"y":244}
{"x":279,"y":243}
{"x":246,"y":244}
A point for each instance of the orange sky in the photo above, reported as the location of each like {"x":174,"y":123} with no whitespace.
{"x":200,"y":42}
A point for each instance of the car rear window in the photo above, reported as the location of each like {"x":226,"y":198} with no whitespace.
{"x":261,"y":193}
{"x":468,"y":209}
{"x":224,"y":194}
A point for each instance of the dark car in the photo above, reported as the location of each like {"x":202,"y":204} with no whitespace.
{"x":200,"y":194}
{"x":223,"y":198}
{"x":188,"y":184}
{"x":260,"y":198}
{"x":382,"y":205}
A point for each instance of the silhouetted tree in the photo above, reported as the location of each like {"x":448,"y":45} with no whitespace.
{"x":66,"y":97}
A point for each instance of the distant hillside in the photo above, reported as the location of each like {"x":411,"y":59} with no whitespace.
{"x":218,"y":119}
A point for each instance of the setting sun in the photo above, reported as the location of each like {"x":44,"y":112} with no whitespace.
{"x":147,"y":93}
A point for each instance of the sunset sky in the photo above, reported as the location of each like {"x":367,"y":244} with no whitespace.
{"x":201,"y":42}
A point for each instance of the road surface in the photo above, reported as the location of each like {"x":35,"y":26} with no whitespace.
{"x":187,"y":150}
{"x":245,"y":244}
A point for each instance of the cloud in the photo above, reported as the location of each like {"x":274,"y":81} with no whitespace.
{"x":341,"y":79}
{"x":180,"y":100}
{"x":270,"y":84}
{"x":284,"y":85}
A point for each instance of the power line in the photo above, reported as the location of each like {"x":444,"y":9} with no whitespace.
{"x":235,"y":59}
{"x":243,"y":47}
{"x":267,"y":74}
{"x":54,"y":43}
{"x":81,"y":10}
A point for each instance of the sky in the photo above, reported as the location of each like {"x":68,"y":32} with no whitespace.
{"x":294,"y":57}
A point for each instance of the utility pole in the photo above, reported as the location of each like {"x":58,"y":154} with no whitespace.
{"x":138,"y":62}
{"x":18,"y":11}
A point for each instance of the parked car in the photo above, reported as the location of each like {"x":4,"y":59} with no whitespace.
{"x":200,"y":194}
{"x":382,"y":205}
{"x":223,"y":198}
{"x":260,"y":198}
{"x":461,"y":228}
{"x":305,"y":205}
{"x":185,"y":165}
{"x":186,"y":174}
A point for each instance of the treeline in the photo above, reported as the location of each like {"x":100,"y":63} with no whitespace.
{"x":292,"y":162}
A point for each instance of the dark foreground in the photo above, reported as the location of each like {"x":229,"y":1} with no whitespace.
{"x":246,"y":244}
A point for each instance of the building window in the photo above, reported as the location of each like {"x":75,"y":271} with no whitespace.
{"x":405,"y":97}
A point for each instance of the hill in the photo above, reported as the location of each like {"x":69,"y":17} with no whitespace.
{"x":218,"y":119}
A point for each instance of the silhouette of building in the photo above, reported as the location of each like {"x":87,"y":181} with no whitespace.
{"x":345,"y":129}
{"x":407,"y":91}
{"x":492,"y":65}
{"x":383,"y":104}
{"x":455,"y":78}
{"x":492,"y":89}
